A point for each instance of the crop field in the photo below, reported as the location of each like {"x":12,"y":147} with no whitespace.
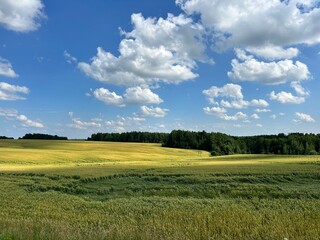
{"x":107,"y":190}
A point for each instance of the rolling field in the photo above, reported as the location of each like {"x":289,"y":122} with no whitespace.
{"x":105,"y":190}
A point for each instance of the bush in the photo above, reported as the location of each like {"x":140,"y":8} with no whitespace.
{"x":313,"y":152}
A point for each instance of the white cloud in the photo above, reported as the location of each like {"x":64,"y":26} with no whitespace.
{"x":259,"y":103}
{"x":156,"y":50}
{"x":69,"y":58}
{"x":255,"y":116}
{"x":153,"y":112}
{"x":259,"y":125}
{"x":10,"y":92}
{"x":237,"y":116}
{"x":242,"y":54}
{"x":29,"y":123}
{"x":121,"y":124}
{"x":271,"y":52}
{"x":273,"y":116}
{"x":286,"y":98}
{"x":77,"y":123}
{"x":214,"y":110}
{"x":270,"y":73}
{"x":138,"y":95}
{"x":6,"y":68}
{"x":134,"y":95}
{"x":263,"y":110}
{"x":229,"y":90}
{"x":136,"y":119}
{"x":12,"y":114}
{"x":299,"y":89}
{"x":289,"y":98}
{"x":110,"y":98}
{"x":303,"y":117}
{"x":257,"y":23}
{"x":8,"y":113}
{"x":239,"y":104}
{"x":21,"y":16}
{"x":234,"y":92}
{"x":221,"y":113}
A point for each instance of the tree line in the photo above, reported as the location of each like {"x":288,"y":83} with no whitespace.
{"x":223,"y":144}
{"x":143,"y":137}
{"x":42,"y":136}
{"x":4,"y":137}
{"x":216,"y":143}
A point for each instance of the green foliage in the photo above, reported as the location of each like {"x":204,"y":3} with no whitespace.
{"x":43,"y":136}
{"x":221,"y":144}
{"x":4,"y":137}
{"x":142,"y":137}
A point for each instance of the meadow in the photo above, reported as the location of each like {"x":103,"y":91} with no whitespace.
{"x":109,"y":190}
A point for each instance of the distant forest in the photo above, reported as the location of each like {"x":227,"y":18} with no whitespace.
{"x":223,"y":144}
{"x":43,"y":136}
{"x":4,"y":137}
{"x":142,"y":137}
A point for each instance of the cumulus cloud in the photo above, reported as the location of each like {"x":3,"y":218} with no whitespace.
{"x":301,"y":91}
{"x":259,"y":103}
{"x":221,"y":113}
{"x":237,"y":116}
{"x":21,"y":16}
{"x":10,"y":92}
{"x":156,"y":50}
{"x":156,"y":112}
{"x":289,"y":98}
{"x":235,"y":104}
{"x":257,"y":23}
{"x":229,"y":90}
{"x":12,"y":114}
{"x":233,"y":92}
{"x":270,"y":73}
{"x":286,"y":98}
{"x":79,"y":124}
{"x":255,"y":116}
{"x":214,"y":110}
{"x":139,"y":95}
{"x":303,"y":117}
{"x":6,"y":69}
{"x":109,"y":98}
{"x":121,"y":124}
{"x":134,"y":95}
{"x":271,"y":52}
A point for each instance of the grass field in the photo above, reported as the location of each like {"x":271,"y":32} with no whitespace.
{"x":99,"y":190}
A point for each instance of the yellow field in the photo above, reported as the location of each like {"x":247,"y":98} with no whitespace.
{"x":105,"y":190}
{"x":99,"y":158}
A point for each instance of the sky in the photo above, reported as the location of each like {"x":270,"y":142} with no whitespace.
{"x":74,"y":68}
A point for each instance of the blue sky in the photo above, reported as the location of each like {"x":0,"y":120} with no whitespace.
{"x":238,"y":67}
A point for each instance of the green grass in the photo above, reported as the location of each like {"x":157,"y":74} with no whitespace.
{"x":98,"y":190}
